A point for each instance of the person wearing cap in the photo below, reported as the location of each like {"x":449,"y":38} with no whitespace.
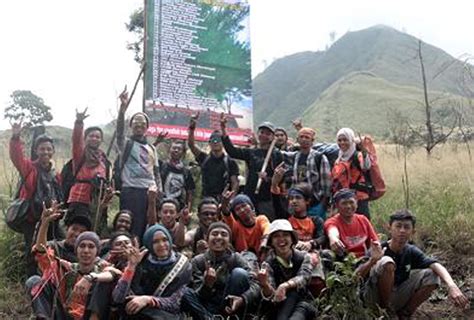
{"x":223,"y":282}
{"x":285,"y":275}
{"x":349,"y":232}
{"x":218,"y":169}
{"x":254,"y":159}
{"x":40,"y":183}
{"x":178,"y":181}
{"x":310,"y":166}
{"x":208,"y":212}
{"x":249,"y":230}
{"x":91,"y":170}
{"x":137,"y":166}
{"x":154,"y":280}
{"x":67,"y":282}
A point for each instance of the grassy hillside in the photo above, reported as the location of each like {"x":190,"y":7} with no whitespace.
{"x":292,"y":84}
{"x":365,"y":102}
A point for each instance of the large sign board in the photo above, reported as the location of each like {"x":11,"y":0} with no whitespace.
{"x":197,"y":55}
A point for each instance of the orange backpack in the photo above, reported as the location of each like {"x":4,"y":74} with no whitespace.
{"x":373,"y":177}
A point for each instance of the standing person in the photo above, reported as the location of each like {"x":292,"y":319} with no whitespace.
{"x":217,"y":168}
{"x":178,"y":182}
{"x":91,"y":170}
{"x":348,"y":170}
{"x":254,"y":159}
{"x":348,"y":231}
{"x":285,"y":275}
{"x":154,"y":281}
{"x":138,"y":166}
{"x":40,"y":183}
{"x":311,"y":167}
{"x":400,"y":276}
{"x":223,"y":283}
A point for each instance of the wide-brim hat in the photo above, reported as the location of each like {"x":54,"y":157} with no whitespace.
{"x":282,"y":225}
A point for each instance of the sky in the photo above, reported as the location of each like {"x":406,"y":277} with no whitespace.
{"x":73,"y":53}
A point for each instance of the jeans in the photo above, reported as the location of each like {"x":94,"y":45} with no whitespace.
{"x":45,"y":304}
{"x":237,"y":284}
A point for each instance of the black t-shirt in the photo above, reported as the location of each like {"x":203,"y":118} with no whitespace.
{"x":409,"y":259}
{"x":216,"y":173}
{"x":301,"y":169}
{"x":63,"y":250}
{"x":176,"y":182}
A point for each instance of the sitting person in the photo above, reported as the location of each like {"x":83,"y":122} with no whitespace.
{"x":285,"y":275}
{"x":152,"y":284}
{"x":122,"y":222}
{"x":222,"y":280}
{"x":67,"y":282}
{"x":249,"y":231}
{"x":400,"y":276}
{"x":208,"y":212}
{"x":100,"y":302}
{"x":348,"y":231}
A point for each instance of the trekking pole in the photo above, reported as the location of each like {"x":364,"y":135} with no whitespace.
{"x":142,"y":70}
{"x":98,"y":213}
{"x":265,"y":164}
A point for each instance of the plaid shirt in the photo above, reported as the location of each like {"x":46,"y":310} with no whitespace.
{"x":319,"y":178}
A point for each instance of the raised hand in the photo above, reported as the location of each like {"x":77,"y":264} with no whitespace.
{"x":160,"y":138}
{"x":134,"y":255}
{"x":234,"y":303}
{"x":51,"y":214}
{"x":262,"y":276}
{"x":227,"y":196}
{"x":80,"y":116}
{"x":123,"y":99}
{"x":16,"y":129}
{"x":223,"y":121}
{"x":193,"y":121}
{"x":297,"y":124}
{"x":201,"y":246}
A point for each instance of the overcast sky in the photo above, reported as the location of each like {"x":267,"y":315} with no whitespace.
{"x":72,"y":53}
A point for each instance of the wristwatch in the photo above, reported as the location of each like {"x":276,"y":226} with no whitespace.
{"x":89,"y":277}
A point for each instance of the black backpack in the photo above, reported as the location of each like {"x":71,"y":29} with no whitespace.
{"x":330,"y":150}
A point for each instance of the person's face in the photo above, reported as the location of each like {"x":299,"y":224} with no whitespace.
{"x":305,"y":141}
{"x":73,"y":231}
{"x":119,"y":243}
{"x":218,"y":239}
{"x":281,"y":242}
{"x":245,"y":214}
{"x":280,"y":138}
{"x":93,"y":139}
{"x":176,"y":151}
{"x":401,"y":231}
{"x":297,"y":203}
{"x":161,"y":245}
{"x":265,"y":136}
{"x":124,"y":222}
{"x":216,"y":145}
{"x":86,"y":252}
{"x":139,"y":125}
{"x":169,"y":213}
{"x":347,"y":207}
{"x":208,"y":214}
{"x":45,"y":152}
{"x":343,"y":143}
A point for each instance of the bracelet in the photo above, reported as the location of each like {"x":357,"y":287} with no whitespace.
{"x":90,"y":278}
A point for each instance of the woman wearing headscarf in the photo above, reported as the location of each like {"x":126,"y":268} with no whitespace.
{"x":348,"y":170}
{"x":154,"y":280}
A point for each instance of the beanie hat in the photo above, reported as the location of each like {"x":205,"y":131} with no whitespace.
{"x":239,"y":199}
{"x":87,"y":235}
{"x":147,"y":119}
{"x":219,"y":224}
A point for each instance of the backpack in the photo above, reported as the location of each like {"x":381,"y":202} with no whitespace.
{"x":226,"y":164}
{"x":68,"y":176}
{"x":330,"y":150}
{"x":374,"y":182}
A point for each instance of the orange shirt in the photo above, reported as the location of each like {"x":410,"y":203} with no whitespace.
{"x":248,"y":238}
{"x":304,"y":227}
{"x":356,"y":235}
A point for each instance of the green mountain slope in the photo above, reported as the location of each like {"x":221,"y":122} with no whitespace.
{"x":365,"y":103}
{"x":291,"y":84}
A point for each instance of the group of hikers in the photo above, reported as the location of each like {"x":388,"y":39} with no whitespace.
{"x":260,"y":249}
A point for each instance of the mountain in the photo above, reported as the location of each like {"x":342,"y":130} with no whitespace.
{"x":294,"y":86}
